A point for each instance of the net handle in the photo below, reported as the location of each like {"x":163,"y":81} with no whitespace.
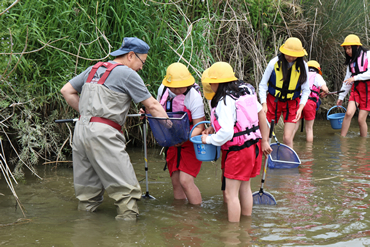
{"x":266,"y":158}
{"x":162,"y":118}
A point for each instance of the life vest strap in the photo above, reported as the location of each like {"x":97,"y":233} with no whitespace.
{"x":313,"y":91}
{"x":247,"y":131}
{"x":284,"y":90}
{"x":246,"y":144}
{"x":313,"y":99}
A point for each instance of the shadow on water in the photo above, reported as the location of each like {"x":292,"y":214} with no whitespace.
{"x":323,"y":202}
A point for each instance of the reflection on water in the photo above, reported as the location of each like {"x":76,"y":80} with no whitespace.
{"x":323,"y":202}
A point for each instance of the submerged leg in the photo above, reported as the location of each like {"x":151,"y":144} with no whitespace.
{"x":232,"y":198}
{"x":351,"y":109}
{"x":178,"y":192}
{"x":362,"y":115}
{"x":309,"y":130}
{"x":190,"y":189}
{"x":246,"y":198}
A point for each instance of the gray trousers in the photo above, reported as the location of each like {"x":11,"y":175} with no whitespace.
{"x":100,"y":162}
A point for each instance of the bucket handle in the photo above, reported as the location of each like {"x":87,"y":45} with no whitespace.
{"x":327,"y":114}
{"x":191,"y":131}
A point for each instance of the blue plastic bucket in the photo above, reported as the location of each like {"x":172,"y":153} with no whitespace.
{"x":204,"y":152}
{"x":336,"y":119}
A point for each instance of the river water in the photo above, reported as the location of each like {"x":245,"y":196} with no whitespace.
{"x":323,"y":202}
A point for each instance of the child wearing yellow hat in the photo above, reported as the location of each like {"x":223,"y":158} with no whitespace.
{"x":357,"y":80}
{"x":179,"y":92}
{"x":317,"y":83}
{"x":241,"y":131}
{"x":285,"y":77}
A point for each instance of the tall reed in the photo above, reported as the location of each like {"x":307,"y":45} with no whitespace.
{"x":330,"y":22}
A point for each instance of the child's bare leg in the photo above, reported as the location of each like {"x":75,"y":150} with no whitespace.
{"x":296,"y":127}
{"x":309,"y":130}
{"x":289,"y":134}
{"x":190,"y":189}
{"x":362,"y":115}
{"x":246,"y":198}
{"x":232,"y":198}
{"x":178,"y":192}
{"x":351,"y":109}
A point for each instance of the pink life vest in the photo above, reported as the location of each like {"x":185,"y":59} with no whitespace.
{"x":246,"y":128}
{"x":361,"y":65}
{"x":315,"y":91}
{"x":177,"y":103}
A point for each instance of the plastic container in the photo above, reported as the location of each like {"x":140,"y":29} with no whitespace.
{"x":336,"y":119}
{"x":204,"y":152}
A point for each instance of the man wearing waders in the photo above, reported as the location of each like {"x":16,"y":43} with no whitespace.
{"x":102,"y":95}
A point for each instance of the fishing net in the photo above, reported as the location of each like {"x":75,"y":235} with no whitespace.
{"x":263,"y":198}
{"x":171,"y":131}
{"x":282,"y":156}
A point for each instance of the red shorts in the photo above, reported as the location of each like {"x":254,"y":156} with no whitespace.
{"x":309,"y":110}
{"x":288,"y":108}
{"x":188,"y":160}
{"x":242,"y":165}
{"x":359,"y":95}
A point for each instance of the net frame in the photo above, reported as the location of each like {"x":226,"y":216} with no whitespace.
{"x":274,"y":162}
{"x":263,"y":198}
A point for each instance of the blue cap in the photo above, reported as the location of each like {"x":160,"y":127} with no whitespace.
{"x":132,"y":44}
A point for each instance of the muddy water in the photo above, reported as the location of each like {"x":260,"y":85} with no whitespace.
{"x":323,"y":202}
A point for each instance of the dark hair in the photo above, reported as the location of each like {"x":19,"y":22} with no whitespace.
{"x":313,"y":69}
{"x":299,"y":65}
{"x":222,"y":90}
{"x":356,"y":51}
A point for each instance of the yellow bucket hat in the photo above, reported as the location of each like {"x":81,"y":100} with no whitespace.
{"x":220,"y":72}
{"x":351,"y":40}
{"x":207,"y":90}
{"x":293,"y":47}
{"x":314,"y":64}
{"x":177,"y":76}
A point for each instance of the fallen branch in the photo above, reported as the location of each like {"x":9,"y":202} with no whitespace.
{"x":19,"y":221}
